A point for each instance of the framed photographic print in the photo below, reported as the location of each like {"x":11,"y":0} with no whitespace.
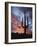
{"x":20,"y":22}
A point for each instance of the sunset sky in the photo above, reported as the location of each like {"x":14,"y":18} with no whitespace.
{"x":21,"y":12}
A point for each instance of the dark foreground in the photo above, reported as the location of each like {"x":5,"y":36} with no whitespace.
{"x":20,"y":36}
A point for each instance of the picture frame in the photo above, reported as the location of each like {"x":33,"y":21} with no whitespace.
{"x":20,"y":22}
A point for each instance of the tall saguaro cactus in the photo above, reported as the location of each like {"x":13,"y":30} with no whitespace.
{"x":25,"y":23}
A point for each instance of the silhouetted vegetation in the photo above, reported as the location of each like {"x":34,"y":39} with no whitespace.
{"x":20,"y":36}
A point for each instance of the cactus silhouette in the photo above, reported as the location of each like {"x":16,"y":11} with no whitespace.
{"x":25,"y":25}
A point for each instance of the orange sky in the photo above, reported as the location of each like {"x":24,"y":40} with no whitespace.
{"x":16,"y":26}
